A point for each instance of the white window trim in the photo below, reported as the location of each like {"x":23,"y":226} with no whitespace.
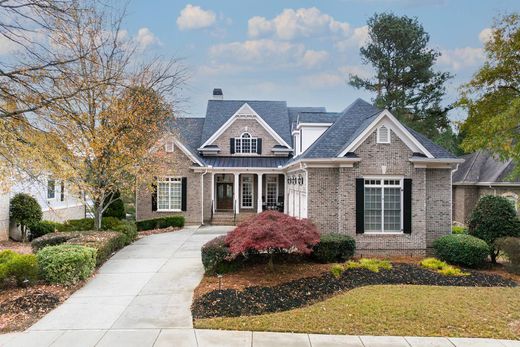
{"x":47,"y":193}
{"x":169,"y":147}
{"x":251,"y":138}
{"x":162,"y":180}
{"x":242,"y":192}
{"x":388,"y":134}
{"x":383,"y":186}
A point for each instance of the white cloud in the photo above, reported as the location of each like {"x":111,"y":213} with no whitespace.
{"x":461,"y":58}
{"x":361,"y":71}
{"x":323,"y":80}
{"x":267,"y":52}
{"x":7,"y":46}
{"x":303,"y":22}
{"x":485,"y":35}
{"x":358,"y":38}
{"x":194,"y":17}
{"x":145,"y":38}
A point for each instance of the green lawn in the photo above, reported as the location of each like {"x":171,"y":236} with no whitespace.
{"x":396,"y":310}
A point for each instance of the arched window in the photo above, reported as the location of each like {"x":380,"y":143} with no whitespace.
{"x":513,"y":198}
{"x":383,"y":134}
{"x":245,"y":144}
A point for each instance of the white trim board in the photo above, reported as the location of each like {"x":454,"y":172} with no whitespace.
{"x":386,"y":118}
{"x":245,"y":109}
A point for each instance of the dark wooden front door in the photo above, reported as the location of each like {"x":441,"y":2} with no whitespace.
{"x":224,"y":196}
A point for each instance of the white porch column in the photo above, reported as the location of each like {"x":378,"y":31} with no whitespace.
{"x":236,"y":193}
{"x":285,"y":194}
{"x":259,"y":194}
{"x":213,"y":202}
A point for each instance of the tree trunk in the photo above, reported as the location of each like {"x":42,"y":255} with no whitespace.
{"x":494,"y":255}
{"x":270,"y":264}
{"x":97,"y":215}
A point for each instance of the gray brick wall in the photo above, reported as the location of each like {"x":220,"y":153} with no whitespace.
{"x":438,"y":201}
{"x":322,"y":205}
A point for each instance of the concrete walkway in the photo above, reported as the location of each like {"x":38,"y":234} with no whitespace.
{"x":141,"y":297}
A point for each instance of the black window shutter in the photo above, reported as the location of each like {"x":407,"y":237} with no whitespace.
{"x":184,"y":193}
{"x":232,"y":145}
{"x":360,"y":205}
{"x":259,"y":146}
{"x":407,"y":206}
{"x":154,"y":194}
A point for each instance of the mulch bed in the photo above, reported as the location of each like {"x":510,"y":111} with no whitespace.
{"x":19,"y":247}
{"x":144,"y":233}
{"x":305,"y":291}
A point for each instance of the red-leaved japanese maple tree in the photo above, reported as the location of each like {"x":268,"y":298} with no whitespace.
{"x":272,"y":232}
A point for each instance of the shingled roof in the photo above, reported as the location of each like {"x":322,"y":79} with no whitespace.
{"x":483,"y":167}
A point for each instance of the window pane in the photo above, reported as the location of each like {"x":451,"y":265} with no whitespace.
{"x":175,"y":195}
{"x":163,"y":196}
{"x":392,"y":209}
{"x":246,"y":145}
{"x":238,"y":146}
{"x":373,"y":209}
{"x":247,"y":191}
{"x":51,"y":189}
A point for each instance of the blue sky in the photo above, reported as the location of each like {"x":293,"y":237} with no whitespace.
{"x":299,"y":51}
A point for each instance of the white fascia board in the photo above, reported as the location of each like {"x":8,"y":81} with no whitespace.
{"x":437,"y":161}
{"x":187,"y":152}
{"x":401,"y":132}
{"x":318,"y":125}
{"x":324,"y":162}
{"x":217,"y":169}
{"x":245,"y":109}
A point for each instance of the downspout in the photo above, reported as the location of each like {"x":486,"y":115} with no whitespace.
{"x":202,"y":197}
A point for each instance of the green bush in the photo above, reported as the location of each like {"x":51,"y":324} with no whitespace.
{"x":128,"y":229}
{"x":336,"y":270}
{"x":109,"y":223}
{"x":52,"y":239}
{"x":160,"y":223}
{"x":373,"y":265}
{"x":44,"y":227}
{"x":442,"y":267}
{"x":25,"y":210}
{"x":216,"y":255}
{"x":465,"y":250}
{"x":116,"y":209}
{"x":493,"y":217}
{"x":511,"y":247}
{"x":19,"y":267}
{"x":66,"y":264}
{"x":334,"y":247}
{"x":459,"y":230}
{"x":83,"y":224}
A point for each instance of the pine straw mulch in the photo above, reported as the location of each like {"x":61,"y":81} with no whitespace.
{"x":144,"y":233}
{"x":19,"y":247}
{"x":22,"y":307}
{"x":260,"y":299}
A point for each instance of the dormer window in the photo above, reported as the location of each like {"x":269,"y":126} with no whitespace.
{"x":246,"y":144}
{"x":383,"y":134}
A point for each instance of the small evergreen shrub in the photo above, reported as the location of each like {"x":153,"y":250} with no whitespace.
{"x":44,"y":227}
{"x":465,"y":250}
{"x":116,"y":209}
{"x":373,"y":265}
{"x":25,"y":210}
{"x":19,"y":267}
{"x":128,"y":229}
{"x":216,"y":256}
{"x":442,"y":267}
{"x":66,"y":264}
{"x":334,"y":247}
{"x":456,"y":229}
{"x":83,"y":224}
{"x":52,"y":239}
{"x":493,"y":217}
{"x":336,"y":270}
{"x":109,"y":223}
{"x":450,"y":270}
{"x":160,"y":223}
{"x":511,"y":247}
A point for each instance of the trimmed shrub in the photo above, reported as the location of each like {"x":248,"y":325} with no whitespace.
{"x":370,"y":264}
{"x":334,"y":247}
{"x":272,"y":232}
{"x":52,"y":239}
{"x":216,"y":256}
{"x":116,"y":209}
{"x":450,"y":270}
{"x":160,"y":223}
{"x":128,"y":229}
{"x":456,"y":229}
{"x":83,"y":224}
{"x":493,"y":217}
{"x":511,"y":247}
{"x":44,"y":227}
{"x":19,"y":267}
{"x":442,"y":267}
{"x":109,"y":223}
{"x":25,"y":210}
{"x":66,"y":264}
{"x":336,"y":270}
{"x":465,"y":250}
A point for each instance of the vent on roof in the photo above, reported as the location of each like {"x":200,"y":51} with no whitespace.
{"x":218,"y":94}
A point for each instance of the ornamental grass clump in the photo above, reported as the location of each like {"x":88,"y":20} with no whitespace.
{"x":442,"y":267}
{"x":370,"y":264}
{"x":337,"y":270}
{"x":270,"y":233}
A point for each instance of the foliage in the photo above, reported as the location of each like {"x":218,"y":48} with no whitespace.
{"x":511,"y":247}
{"x":107,"y":223}
{"x":334,"y":247}
{"x":44,"y":227}
{"x":82,"y":224}
{"x":459,"y":230}
{"x":336,"y":270}
{"x":52,"y":239}
{"x":461,"y":249}
{"x":66,"y":264}
{"x":371,"y":264}
{"x":116,"y":208}
{"x":128,"y":229}
{"x":19,"y":267}
{"x":159,"y":223}
{"x":492,"y":97}
{"x":25,"y":210}
{"x":493,"y":217}
{"x":442,"y":267}
{"x":273,"y":232}
{"x":216,"y":256}
{"x":405,"y":80}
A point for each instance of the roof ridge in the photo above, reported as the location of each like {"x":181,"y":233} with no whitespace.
{"x":471,"y":165}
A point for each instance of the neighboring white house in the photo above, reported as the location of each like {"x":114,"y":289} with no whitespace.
{"x":57,"y":203}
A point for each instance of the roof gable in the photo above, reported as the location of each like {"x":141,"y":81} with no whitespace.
{"x":483,"y":167}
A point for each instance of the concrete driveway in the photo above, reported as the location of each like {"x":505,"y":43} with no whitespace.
{"x":141,"y":297}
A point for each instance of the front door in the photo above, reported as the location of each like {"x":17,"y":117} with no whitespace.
{"x":224,"y":196}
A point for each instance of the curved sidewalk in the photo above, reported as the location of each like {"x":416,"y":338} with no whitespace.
{"x":142,"y":296}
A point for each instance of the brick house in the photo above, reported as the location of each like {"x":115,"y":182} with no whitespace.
{"x":482,"y":173}
{"x":358,"y":172}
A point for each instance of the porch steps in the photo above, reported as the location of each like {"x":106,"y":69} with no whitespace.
{"x":226,"y":218}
